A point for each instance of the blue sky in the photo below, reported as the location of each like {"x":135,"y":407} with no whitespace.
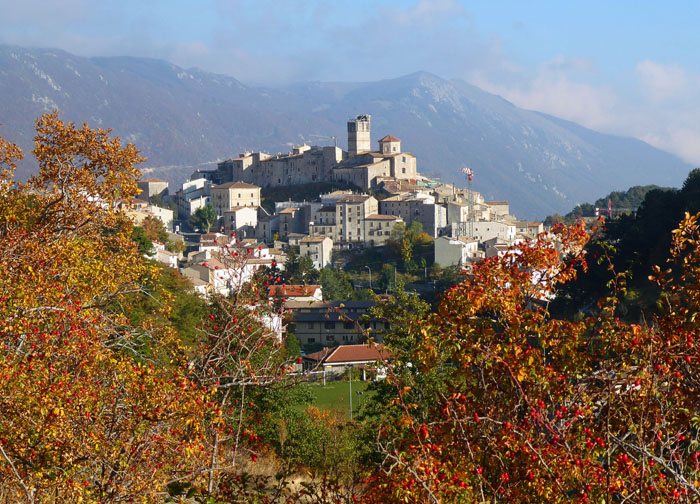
{"x":623,"y":67}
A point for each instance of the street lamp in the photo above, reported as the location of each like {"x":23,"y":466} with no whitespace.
{"x":370,"y":276}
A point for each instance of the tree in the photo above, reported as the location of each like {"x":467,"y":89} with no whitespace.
{"x":299,"y":270}
{"x":490,"y":399}
{"x":335,"y":284}
{"x":141,"y":238}
{"x":87,"y":411}
{"x":155,"y":229}
{"x":204,"y":218}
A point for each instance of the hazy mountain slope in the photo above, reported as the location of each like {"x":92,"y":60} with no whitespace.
{"x":181,"y":118}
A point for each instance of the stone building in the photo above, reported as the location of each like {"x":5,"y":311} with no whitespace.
{"x":350,"y":213}
{"x":377,"y":229}
{"x":416,"y":207}
{"x":152,"y":187}
{"x":305,"y":164}
{"x":365,"y":168}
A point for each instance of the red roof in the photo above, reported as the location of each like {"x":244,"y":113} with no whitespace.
{"x":389,"y":138}
{"x":293,"y":290}
{"x":350,"y":353}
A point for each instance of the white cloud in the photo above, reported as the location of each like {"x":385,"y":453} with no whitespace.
{"x":551,"y":90}
{"x":661,"y":82}
{"x":564,"y":87}
{"x":427,"y":12}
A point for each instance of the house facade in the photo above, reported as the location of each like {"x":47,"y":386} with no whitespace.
{"x":377,"y":229}
{"x":234,"y":194}
{"x":318,"y":249}
{"x":455,"y":251}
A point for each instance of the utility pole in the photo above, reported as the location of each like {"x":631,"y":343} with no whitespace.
{"x":350,"y":392}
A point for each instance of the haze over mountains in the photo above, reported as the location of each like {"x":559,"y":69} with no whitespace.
{"x":181,"y":119}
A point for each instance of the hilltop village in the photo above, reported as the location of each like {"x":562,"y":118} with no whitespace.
{"x":382,"y":195}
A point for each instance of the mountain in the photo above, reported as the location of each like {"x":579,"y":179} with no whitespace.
{"x":183,"y":119}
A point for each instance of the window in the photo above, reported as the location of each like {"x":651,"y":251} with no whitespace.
{"x":393,"y":149}
{"x":310,"y":325}
{"x":311,"y":340}
{"x":330,"y":337}
{"x":386,"y":325}
{"x":403,"y":170}
{"x":239,"y":195}
{"x":330,"y":325}
{"x":348,"y":325}
{"x":403,"y":158}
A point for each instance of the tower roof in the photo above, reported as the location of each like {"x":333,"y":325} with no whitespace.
{"x":389,"y":138}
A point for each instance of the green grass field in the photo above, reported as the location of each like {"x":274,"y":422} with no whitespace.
{"x":336,"y":396}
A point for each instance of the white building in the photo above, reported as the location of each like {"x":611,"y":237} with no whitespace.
{"x":241,"y":220}
{"x":193,"y":195}
{"x":455,"y":251}
{"x":486,"y":230}
{"x":318,"y":248}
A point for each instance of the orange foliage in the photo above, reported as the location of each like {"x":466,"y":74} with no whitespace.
{"x":525,"y":408}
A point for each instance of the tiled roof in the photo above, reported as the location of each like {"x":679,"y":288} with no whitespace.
{"x":354,"y":198}
{"x":389,"y":138}
{"x":237,"y":208}
{"x":382,"y":217}
{"x":350,"y":353}
{"x":236,"y":185}
{"x":313,"y":239}
{"x":289,"y":210}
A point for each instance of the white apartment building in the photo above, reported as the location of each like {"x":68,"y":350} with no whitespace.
{"x":193,"y":195}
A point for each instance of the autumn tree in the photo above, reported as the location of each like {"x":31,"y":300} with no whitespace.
{"x":88,"y":412}
{"x":492,"y":400}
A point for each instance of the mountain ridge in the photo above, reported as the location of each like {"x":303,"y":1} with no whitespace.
{"x":183,"y":119}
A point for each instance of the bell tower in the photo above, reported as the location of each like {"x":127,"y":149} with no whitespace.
{"x":358,"y":135}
